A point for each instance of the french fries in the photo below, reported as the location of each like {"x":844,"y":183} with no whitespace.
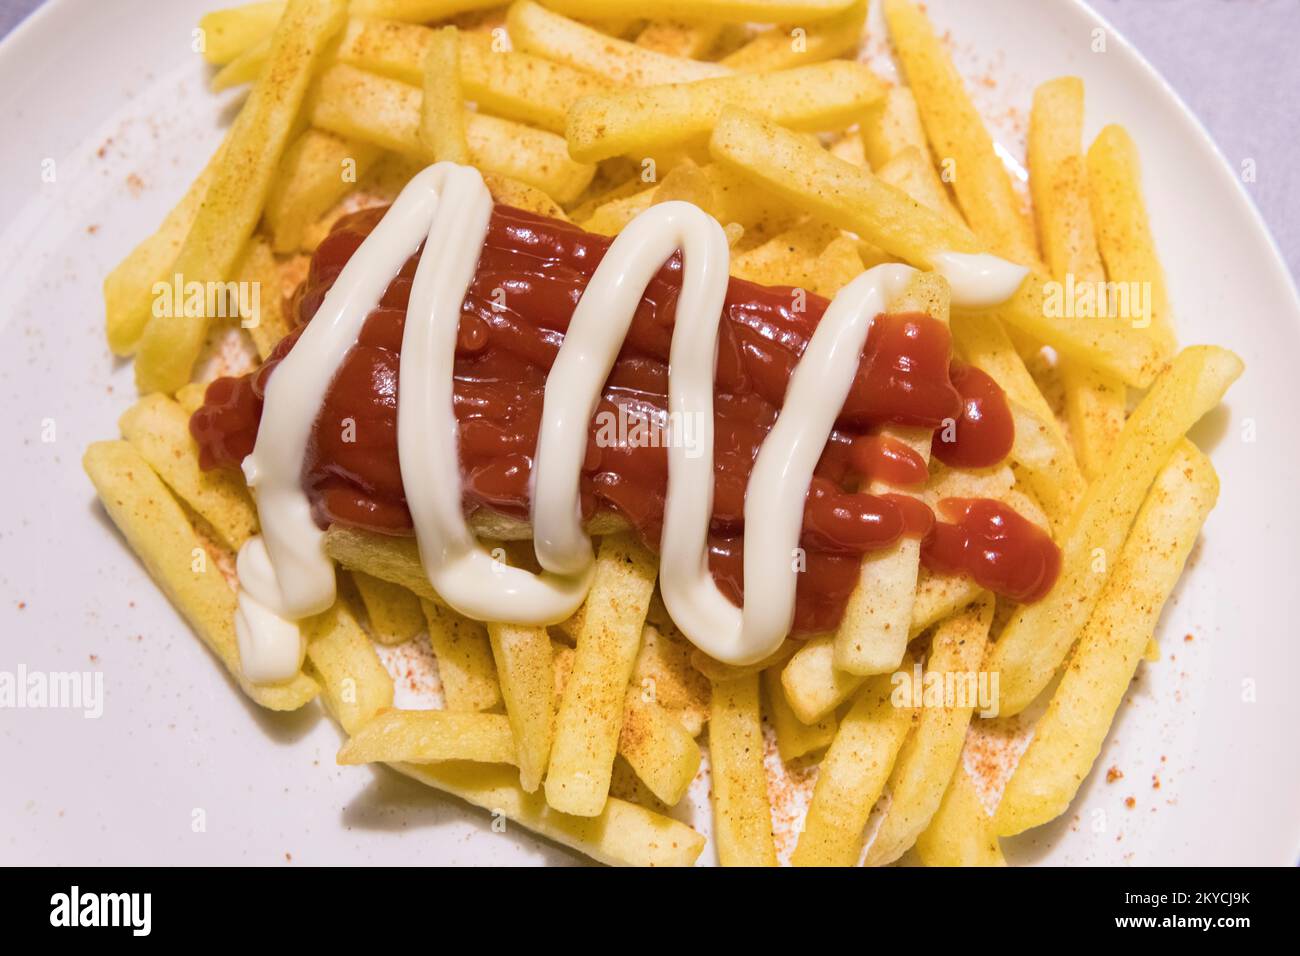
{"x":318,"y":170}
{"x":932,"y":751}
{"x":228,"y":33}
{"x":386,"y":112}
{"x":393,"y":612}
{"x":658,"y":747}
{"x":354,"y":685}
{"x":961,"y":143}
{"x":586,"y":732}
{"x":781,"y":47}
{"x":873,"y":634}
{"x":534,"y":29}
{"x":720,"y":11}
{"x":814,"y":686}
{"x":794,"y":738}
{"x":960,"y":833}
{"x":508,"y":83}
{"x":850,"y":197}
{"x":266,"y":322}
{"x":1094,"y":402}
{"x":623,"y":834}
{"x":853,"y":774}
{"x":1037,"y":638}
{"x":591,"y":710}
{"x":465,"y":662}
{"x":1068,"y":737}
{"x":523,"y":661}
{"x":679,"y":37}
{"x":128,"y":289}
{"x":742,"y":814}
{"x":430,"y":736}
{"x":1123,"y":231}
{"x":158,"y":429}
{"x":442,"y":112}
{"x":161,"y":535}
{"x":642,"y":122}
{"x":235,"y":199}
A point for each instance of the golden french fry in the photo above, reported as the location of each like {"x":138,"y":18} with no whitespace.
{"x":623,"y":834}
{"x":661,"y":717}
{"x":789,"y":258}
{"x":1123,"y":230}
{"x":959,"y":138}
{"x":245,"y":68}
{"x":610,"y":217}
{"x":393,"y":611}
{"x":1068,"y":737}
{"x":235,"y":199}
{"x":158,"y":429}
{"x":719,"y":11}
{"x":892,"y":125}
{"x":662,"y":752}
{"x":355,"y":686}
{"x":228,"y":33}
{"x":872,"y":636}
{"x":794,"y":738}
{"x":1036,"y":640}
{"x":509,"y":83}
{"x":909,"y":171}
{"x":719,"y":673}
{"x":190,"y":398}
{"x":960,"y":832}
{"x":679,"y":37}
{"x":523,"y":661}
{"x":318,"y":170}
{"x":742,"y":813}
{"x":782,"y":47}
{"x":442,"y":113}
{"x":591,"y":710}
{"x":640,"y":122}
{"x":812,"y":684}
{"x":850,"y":197}
{"x":266,"y":320}
{"x":1095,"y":403}
{"x":128,"y":289}
{"x":895,"y":142}
{"x":930,"y":755}
{"x":162,"y":537}
{"x":430,"y":736}
{"x":353,"y":682}
{"x":512,"y":192}
{"x":375,"y":109}
{"x":1041,"y":452}
{"x":853,"y":774}
{"x":663,"y":673}
{"x":542,"y":32}
{"x":464,"y":654}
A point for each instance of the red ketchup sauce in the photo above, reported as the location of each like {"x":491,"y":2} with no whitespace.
{"x":530,"y":275}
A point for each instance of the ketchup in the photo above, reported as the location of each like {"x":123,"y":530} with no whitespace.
{"x":531,"y":272}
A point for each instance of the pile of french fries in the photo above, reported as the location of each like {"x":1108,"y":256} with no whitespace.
{"x":756,"y":110}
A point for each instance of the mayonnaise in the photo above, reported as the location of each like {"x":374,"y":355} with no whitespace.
{"x":285,"y":575}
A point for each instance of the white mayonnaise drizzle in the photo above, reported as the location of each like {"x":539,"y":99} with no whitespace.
{"x":285,"y":575}
{"x":978,"y":280}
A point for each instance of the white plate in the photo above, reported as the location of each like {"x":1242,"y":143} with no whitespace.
{"x":113,"y":95}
